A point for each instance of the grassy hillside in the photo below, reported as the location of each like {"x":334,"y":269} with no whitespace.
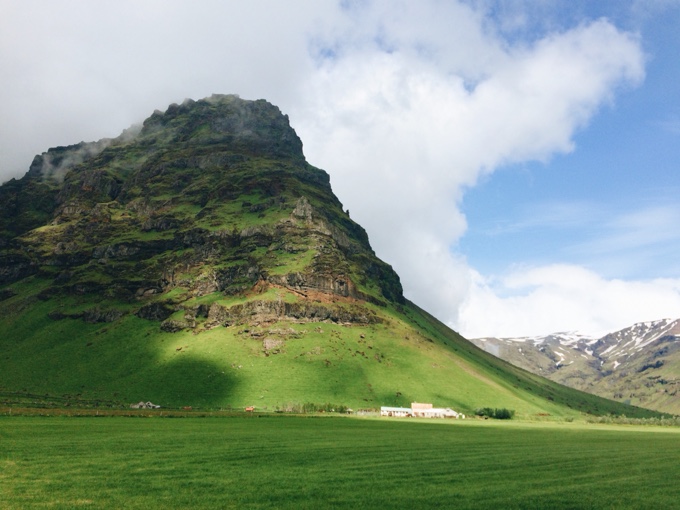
{"x":405,"y":355}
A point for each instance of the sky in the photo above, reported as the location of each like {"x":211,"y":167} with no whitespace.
{"x":515,"y":161}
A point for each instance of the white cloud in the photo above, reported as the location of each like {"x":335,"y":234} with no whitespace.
{"x":671,"y":124}
{"x":654,"y":225}
{"x":555,"y":215}
{"x":548,"y":299}
{"x":403,"y":136}
{"x":649,"y":8}
{"x":603,"y":229}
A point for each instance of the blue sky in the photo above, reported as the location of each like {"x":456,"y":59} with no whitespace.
{"x":612,"y":203}
{"x":515,"y":161}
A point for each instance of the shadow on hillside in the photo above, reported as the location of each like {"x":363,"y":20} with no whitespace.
{"x":188,"y":381}
{"x":69,"y":362}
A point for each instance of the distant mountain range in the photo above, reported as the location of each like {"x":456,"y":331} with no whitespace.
{"x":639,"y":365}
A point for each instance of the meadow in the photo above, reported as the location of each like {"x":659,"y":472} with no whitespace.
{"x":333,"y":462}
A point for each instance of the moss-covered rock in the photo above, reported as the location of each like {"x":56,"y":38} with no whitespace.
{"x":209,"y":196}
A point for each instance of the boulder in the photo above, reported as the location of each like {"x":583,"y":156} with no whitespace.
{"x":173,"y":326}
{"x":157,"y":311}
{"x":95,"y":315}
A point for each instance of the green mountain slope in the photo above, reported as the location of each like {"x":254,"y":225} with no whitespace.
{"x":201,"y":261}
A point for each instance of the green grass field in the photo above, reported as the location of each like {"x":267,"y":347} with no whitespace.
{"x":328,"y":462}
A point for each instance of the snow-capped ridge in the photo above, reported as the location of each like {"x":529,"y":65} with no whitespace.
{"x":634,"y":364}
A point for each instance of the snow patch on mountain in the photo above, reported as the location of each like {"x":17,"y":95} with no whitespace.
{"x":561,"y":349}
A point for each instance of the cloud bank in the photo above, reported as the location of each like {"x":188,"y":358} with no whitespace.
{"x":525,"y":302}
{"x":406,"y":104}
{"x":406,"y":122}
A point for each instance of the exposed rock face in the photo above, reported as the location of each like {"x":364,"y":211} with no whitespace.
{"x":91,"y":316}
{"x":247,"y":126}
{"x":303,"y":209}
{"x":330,"y":283}
{"x":272,"y":311}
{"x":209,"y":198}
{"x":6,"y":294}
{"x":155,"y":311}
{"x":173,"y":326}
{"x":96,"y":315}
{"x":15,"y":266}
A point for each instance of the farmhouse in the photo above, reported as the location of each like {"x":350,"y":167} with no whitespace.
{"x":420,"y":410}
{"x":398,"y":412}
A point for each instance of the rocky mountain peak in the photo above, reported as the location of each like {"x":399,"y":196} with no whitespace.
{"x":209,"y":198}
{"x":256,"y":127}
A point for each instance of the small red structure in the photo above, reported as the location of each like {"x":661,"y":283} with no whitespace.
{"x":250,"y":409}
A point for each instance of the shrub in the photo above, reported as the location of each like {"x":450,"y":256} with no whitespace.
{"x":311,"y":407}
{"x":498,"y":414}
{"x":662,"y":421}
{"x":486,"y":412}
{"x":503,"y":414}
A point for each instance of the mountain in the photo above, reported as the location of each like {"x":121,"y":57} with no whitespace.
{"x":199,"y":260}
{"x":638,"y":365}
